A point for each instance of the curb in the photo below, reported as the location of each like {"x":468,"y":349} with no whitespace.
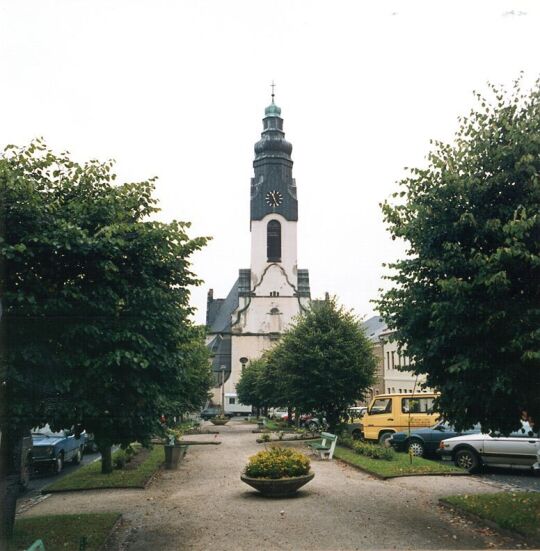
{"x":111,"y":532}
{"x":489,"y":523}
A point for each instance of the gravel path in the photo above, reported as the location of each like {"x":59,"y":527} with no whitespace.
{"x":204,"y":505}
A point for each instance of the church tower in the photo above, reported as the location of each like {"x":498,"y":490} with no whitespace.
{"x":268,"y":295}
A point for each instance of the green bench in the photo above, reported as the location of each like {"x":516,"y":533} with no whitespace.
{"x":326,"y":447}
{"x":37,"y":546}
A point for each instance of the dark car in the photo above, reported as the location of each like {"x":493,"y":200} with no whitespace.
{"x":422,"y":442}
{"x":211,"y":411}
{"x":53,"y":449}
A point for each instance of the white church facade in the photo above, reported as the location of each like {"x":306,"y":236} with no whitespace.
{"x":267,"y":296}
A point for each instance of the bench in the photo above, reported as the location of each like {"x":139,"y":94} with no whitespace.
{"x":37,"y":546}
{"x":326,"y":446}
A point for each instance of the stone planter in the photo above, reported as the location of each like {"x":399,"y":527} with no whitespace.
{"x":218,"y":421}
{"x":279,"y":487}
{"x":173,"y":455}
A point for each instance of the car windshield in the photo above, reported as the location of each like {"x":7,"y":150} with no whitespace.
{"x":46,"y":431}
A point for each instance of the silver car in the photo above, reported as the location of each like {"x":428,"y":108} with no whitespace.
{"x":521,"y":449}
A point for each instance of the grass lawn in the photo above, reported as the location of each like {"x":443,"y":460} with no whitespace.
{"x":63,"y":532}
{"x":400,"y":466}
{"x":89,"y":477}
{"x":515,"y":511}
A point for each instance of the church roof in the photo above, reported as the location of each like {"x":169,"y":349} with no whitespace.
{"x":219,"y":311}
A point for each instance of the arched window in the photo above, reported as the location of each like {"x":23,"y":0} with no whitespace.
{"x":273,"y":241}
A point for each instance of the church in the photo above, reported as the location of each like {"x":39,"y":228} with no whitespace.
{"x":273,"y":290}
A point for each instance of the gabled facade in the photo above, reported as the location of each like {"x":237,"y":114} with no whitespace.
{"x":268,"y":295}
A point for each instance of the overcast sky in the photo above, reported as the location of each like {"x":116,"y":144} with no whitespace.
{"x":177,"y":89}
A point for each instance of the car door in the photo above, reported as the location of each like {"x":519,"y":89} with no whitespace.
{"x":380,"y":416}
{"x":520,"y":448}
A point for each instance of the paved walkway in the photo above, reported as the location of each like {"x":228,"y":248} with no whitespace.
{"x":204,"y":505}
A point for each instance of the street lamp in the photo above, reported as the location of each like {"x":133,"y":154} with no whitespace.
{"x":243,"y":361}
{"x":222,"y":390}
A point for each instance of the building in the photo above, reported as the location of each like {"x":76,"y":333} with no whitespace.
{"x":391,"y":375}
{"x":273,"y":290}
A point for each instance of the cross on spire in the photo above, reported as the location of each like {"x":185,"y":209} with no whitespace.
{"x":273,"y":93}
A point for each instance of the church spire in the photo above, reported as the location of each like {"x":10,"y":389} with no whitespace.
{"x":273,"y":169}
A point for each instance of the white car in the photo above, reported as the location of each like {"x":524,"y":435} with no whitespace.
{"x":520,"y":449}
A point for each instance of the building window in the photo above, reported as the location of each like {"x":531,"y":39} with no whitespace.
{"x":393,"y":359}
{"x":275,"y":311}
{"x":273,"y":241}
{"x":388,"y":390}
{"x":388,"y":360}
{"x":274,"y":294}
{"x":232,"y":400}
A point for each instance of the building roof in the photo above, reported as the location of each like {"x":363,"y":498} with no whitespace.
{"x":219,"y":311}
{"x":374,"y":327}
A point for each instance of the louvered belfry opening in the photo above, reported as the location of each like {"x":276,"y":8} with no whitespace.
{"x":273,"y":241}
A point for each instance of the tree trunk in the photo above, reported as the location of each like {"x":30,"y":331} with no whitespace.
{"x":106,"y":459}
{"x":10,"y":465}
{"x":332,"y":418}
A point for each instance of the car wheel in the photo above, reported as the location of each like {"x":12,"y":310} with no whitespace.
{"x":77,"y":457}
{"x":313,"y":426}
{"x":357,"y":435}
{"x":384,"y":439}
{"x":58,"y":463}
{"x":416,"y":448}
{"x":467,"y":459}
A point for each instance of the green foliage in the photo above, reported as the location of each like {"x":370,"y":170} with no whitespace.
{"x":90,"y":477}
{"x":517,"y":511}
{"x":277,"y":463}
{"x":374,"y":451}
{"x":96,"y":320}
{"x":265,"y":437}
{"x":119,"y":459}
{"x":249,"y":386}
{"x":324,"y":362}
{"x":346,"y":440}
{"x":466,"y":300}
{"x":399,"y":466}
{"x":64,"y":531}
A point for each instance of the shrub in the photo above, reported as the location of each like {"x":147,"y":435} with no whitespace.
{"x":373,"y":451}
{"x":346,"y":440}
{"x":277,"y":463}
{"x":119,"y":459}
{"x":265,"y":437}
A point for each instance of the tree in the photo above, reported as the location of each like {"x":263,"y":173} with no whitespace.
{"x":249,"y":385}
{"x":466,"y":300}
{"x":95,"y":302}
{"x":326,"y":360}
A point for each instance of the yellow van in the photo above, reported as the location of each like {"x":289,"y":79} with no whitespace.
{"x":389,"y":413}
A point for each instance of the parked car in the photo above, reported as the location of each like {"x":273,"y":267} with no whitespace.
{"x":391,"y":413}
{"x":521,"y":449}
{"x":53,"y":449}
{"x":356,"y":412}
{"x":212,"y":411}
{"x":422,"y":442}
{"x":278,"y":413}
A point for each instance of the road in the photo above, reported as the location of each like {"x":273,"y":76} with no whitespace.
{"x":512,"y":479}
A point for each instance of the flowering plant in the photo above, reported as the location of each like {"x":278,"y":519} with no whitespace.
{"x":277,"y":462}
{"x":174,"y":436}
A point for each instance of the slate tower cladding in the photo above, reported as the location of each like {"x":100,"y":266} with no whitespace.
{"x":269,"y":294}
{"x":273,"y":171}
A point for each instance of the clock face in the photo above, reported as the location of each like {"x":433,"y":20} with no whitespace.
{"x":274,"y":198}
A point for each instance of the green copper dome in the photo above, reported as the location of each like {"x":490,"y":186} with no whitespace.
{"x":272,"y":110}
